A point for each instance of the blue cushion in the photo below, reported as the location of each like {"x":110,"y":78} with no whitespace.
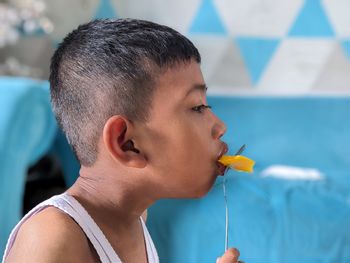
{"x":27,"y":130}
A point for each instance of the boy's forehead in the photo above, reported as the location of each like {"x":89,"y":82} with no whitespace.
{"x":199,"y":87}
{"x":175,"y":87}
{"x":181,"y":80}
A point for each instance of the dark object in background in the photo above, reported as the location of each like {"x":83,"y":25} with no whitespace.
{"x":44,"y":179}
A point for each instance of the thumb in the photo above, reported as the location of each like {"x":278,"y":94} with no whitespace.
{"x":230,"y":256}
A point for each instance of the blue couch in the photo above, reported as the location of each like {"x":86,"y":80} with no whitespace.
{"x":27,"y":130}
{"x":271,"y":219}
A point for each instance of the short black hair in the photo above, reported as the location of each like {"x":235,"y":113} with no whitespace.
{"x":108,"y":67}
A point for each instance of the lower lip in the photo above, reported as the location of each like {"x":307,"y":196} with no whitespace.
{"x":221,"y":168}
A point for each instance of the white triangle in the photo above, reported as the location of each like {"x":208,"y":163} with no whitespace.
{"x":335,"y":75}
{"x":338,"y":13}
{"x":176,"y":14}
{"x":296,"y":65}
{"x":268,"y":18}
{"x":230,"y":71}
{"x":211,"y":49}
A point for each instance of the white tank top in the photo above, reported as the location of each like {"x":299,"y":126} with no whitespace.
{"x":74,"y":209}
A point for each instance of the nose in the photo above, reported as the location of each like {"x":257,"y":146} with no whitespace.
{"x":219,"y":128}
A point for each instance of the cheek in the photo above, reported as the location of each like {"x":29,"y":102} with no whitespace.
{"x":181,"y":145}
{"x":192,"y":139}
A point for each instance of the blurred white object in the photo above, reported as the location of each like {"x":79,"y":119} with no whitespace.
{"x":292,"y":173}
{"x":21,"y":18}
{"x":12,"y":67}
{"x":9,"y":20}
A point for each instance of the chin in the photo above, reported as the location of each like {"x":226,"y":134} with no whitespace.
{"x":199,"y":193}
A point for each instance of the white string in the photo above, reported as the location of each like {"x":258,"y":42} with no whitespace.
{"x":226,"y":211}
{"x":225,"y":197}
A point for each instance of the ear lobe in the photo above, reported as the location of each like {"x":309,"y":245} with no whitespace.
{"x":117,"y":137}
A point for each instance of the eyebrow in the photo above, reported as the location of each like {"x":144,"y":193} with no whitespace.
{"x":199,"y":87}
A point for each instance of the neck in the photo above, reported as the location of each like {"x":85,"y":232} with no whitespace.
{"x":112,"y":198}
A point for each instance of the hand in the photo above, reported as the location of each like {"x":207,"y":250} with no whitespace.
{"x":230,"y":256}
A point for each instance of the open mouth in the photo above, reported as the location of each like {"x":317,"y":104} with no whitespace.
{"x":222,"y":168}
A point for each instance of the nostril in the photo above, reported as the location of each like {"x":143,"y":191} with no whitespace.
{"x":219,"y":128}
{"x":218,"y":132}
{"x":223,"y":130}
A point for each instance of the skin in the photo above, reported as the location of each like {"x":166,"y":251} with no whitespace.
{"x":138,"y":163}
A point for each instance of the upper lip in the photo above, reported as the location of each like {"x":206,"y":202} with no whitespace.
{"x":224,"y":149}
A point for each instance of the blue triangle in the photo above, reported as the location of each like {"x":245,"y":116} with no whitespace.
{"x":207,"y":20}
{"x":256,"y":53}
{"x":105,"y":10}
{"x":346,"y":47}
{"x":312,"y":21}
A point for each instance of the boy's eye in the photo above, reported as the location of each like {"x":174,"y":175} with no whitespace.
{"x":201,"y":108}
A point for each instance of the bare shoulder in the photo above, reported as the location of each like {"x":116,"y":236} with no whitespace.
{"x":51,"y":236}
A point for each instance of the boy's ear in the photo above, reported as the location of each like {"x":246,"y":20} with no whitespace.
{"x":117,"y":136}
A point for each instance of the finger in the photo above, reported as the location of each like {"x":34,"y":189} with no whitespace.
{"x":231,"y":255}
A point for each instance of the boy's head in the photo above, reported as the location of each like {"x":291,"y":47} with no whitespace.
{"x":130,"y":94}
{"x":110,"y":67}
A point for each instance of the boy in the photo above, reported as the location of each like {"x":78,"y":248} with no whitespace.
{"x":131,"y":99}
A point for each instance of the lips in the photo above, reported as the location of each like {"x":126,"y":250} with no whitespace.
{"x":221,"y":167}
